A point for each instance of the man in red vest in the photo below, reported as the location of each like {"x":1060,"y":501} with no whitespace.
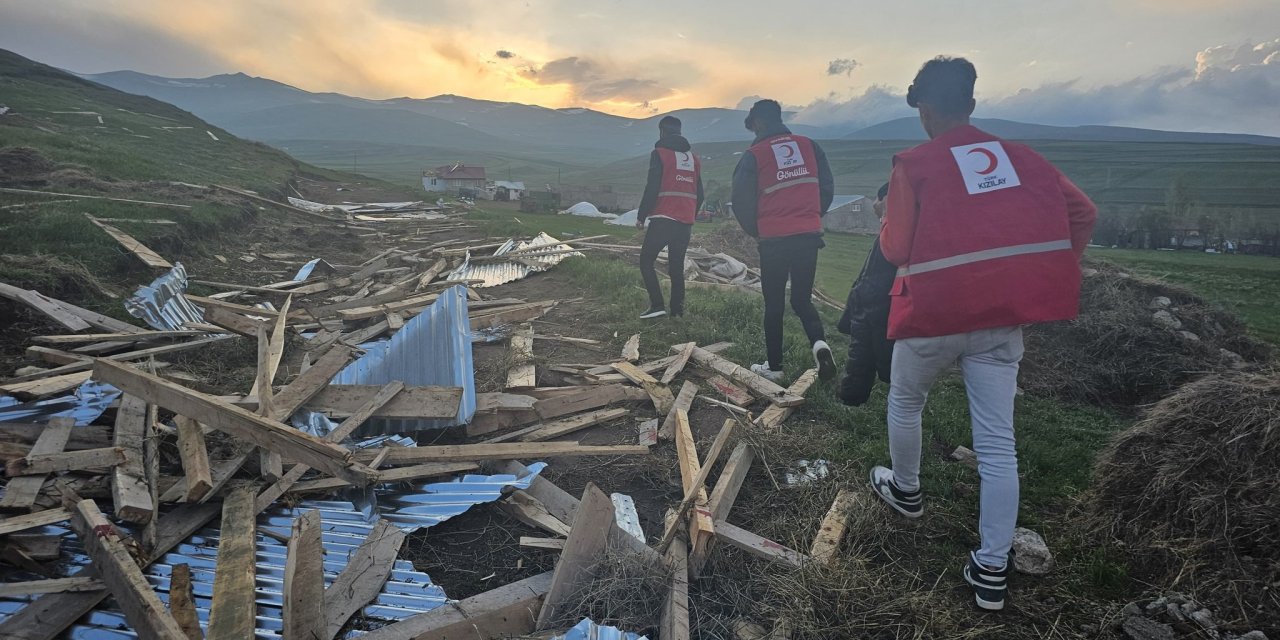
{"x":672,"y":197}
{"x":987,"y":236}
{"x":781,"y":189}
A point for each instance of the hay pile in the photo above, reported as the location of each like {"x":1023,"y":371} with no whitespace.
{"x":1193,"y":490}
{"x":1117,"y":353}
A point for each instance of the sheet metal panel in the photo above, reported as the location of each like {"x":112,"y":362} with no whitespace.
{"x":85,"y":405}
{"x":162,"y":304}
{"x":496,"y":273}
{"x":588,"y":630}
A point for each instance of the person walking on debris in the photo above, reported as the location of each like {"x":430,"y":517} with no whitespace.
{"x":672,"y":197}
{"x":988,"y":236}
{"x":781,"y":189}
{"x":866,"y":322}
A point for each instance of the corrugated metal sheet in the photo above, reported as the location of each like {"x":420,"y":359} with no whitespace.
{"x":496,"y":273}
{"x":588,"y":630}
{"x":161,"y":303}
{"x":406,"y":593}
{"x":309,"y":267}
{"x":433,"y":348}
{"x":85,"y":405}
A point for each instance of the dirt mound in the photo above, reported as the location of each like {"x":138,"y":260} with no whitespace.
{"x":1136,"y":341}
{"x":19,"y":164}
{"x":1193,"y":490}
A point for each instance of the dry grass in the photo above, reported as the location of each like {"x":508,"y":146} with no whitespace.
{"x":1194,"y":491}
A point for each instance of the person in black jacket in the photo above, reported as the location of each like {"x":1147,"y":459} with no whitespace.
{"x":866,"y":322}
{"x":664,"y":229}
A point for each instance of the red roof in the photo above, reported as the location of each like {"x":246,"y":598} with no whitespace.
{"x":459,"y":171}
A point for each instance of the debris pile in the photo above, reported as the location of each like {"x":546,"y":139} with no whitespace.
{"x":1192,"y":492}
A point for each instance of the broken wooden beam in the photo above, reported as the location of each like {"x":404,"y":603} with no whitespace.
{"x":268,"y":434}
{"x":303,"y":592}
{"x":233,"y":610}
{"x":32,"y":520}
{"x":522,"y":374}
{"x":743,"y":376}
{"x":674,"y":623}
{"x":660,"y":394}
{"x":531,"y":512}
{"x":701,"y":527}
{"x":130,"y":492}
{"x":53,"y":309}
{"x":507,"y":611}
{"x":182,"y":602}
{"x":561,"y":427}
{"x":55,"y":585}
{"x":398,"y":474}
{"x":631,"y":350}
{"x":131,"y":244}
{"x":583,"y":549}
{"x":683,"y":402}
{"x":758,"y":546}
{"x":732,"y":392}
{"x":194,"y":456}
{"x":834,"y":526}
{"x":501,"y":451}
{"x":21,"y":492}
{"x":696,"y":488}
{"x":142,"y":607}
{"x":723,"y":496}
{"x":551,"y":544}
{"x":678,"y":364}
{"x":41,"y":464}
{"x":361,"y":581}
{"x":773,"y":417}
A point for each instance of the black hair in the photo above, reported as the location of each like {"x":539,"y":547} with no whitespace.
{"x":883,"y":192}
{"x":944,"y":83}
{"x":669,"y":124}
{"x":767,"y":111}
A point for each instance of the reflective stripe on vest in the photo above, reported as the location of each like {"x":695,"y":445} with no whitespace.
{"x":790,"y":183}
{"x":981,"y":256}
{"x":677,"y":194}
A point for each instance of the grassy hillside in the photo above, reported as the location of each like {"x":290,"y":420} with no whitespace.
{"x":69,"y":135}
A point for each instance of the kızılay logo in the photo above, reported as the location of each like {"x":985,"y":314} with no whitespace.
{"x":787,"y":154}
{"x":985,"y":167}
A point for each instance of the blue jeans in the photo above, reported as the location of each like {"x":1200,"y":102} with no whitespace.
{"x":989,"y":363}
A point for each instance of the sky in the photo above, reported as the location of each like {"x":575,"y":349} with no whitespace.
{"x":1202,"y":65}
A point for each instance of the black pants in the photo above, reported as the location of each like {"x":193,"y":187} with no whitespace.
{"x":663,"y":232}
{"x":792,"y":258}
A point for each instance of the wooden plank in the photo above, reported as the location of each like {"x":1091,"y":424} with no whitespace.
{"x":32,"y":520}
{"x":674,"y":623}
{"x":270,"y":464}
{"x":50,"y":307}
{"x":124,"y":357}
{"x":299,"y":446}
{"x":501,"y":451}
{"x":373,"y":311}
{"x":146,"y":336}
{"x":696,"y":489}
{"x":518,"y":313}
{"x":758,"y":546}
{"x":631,"y":350}
{"x":430,"y":274}
{"x":303,"y":607}
{"x":834,"y":526}
{"x":773,"y":417}
{"x":562,"y":427}
{"x":182,"y":602}
{"x":39,"y":465}
{"x":279,"y":205}
{"x":701,"y":526}
{"x":142,"y":607}
{"x":89,"y":197}
{"x":503,"y":612}
{"x":743,"y":376}
{"x":553,"y":544}
{"x":241,"y":309}
{"x":678,"y":364}
{"x":735,"y":394}
{"x":232,"y":321}
{"x":554,"y":406}
{"x":584,"y":548}
{"x":130,"y":492}
{"x":56,"y":585}
{"x":522,"y":374}
{"x":21,"y":493}
{"x":531,"y":512}
{"x":233,"y":610}
{"x":44,"y":387}
{"x":131,"y":244}
{"x":386,"y":394}
{"x":723,"y":496}
{"x":338,"y":400}
{"x":367,"y":570}
{"x":398,"y":474}
{"x":661,"y":395}
{"x":54,"y":356}
{"x":312,"y":381}
{"x":684,"y":402}
{"x":195,"y":459}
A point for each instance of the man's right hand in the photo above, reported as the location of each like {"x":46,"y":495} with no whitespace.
{"x":640,"y":224}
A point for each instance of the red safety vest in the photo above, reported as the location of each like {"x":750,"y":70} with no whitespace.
{"x":678,"y":193}
{"x":787,"y":183}
{"x":992,"y":242}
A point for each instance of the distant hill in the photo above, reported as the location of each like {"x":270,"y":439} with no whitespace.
{"x":910,"y":129}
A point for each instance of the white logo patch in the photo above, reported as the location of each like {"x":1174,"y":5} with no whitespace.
{"x":684,"y":161}
{"x":985,"y":167}
{"x":787,"y":154}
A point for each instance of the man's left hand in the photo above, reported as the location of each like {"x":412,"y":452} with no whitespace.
{"x":640,"y":224}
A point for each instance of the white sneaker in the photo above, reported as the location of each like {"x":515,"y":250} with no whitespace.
{"x":823,"y":359}
{"x":762,"y":369}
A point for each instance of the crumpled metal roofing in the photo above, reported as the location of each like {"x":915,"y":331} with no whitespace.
{"x":85,"y":405}
{"x":496,"y":273}
{"x":162,"y":304}
{"x":432,"y":348}
{"x":588,"y":630}
{"x":305,"y":271}
{"x":407,"y":593}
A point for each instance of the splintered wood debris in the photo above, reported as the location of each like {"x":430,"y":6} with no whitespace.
{"x":56,"y":470}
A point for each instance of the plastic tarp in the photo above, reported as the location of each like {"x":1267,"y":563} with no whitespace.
{"x":627,"y":219}
{"x":587,"y":210}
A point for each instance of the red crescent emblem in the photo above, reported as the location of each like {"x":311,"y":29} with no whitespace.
{"x":788,"y":151}
{"x":992,"y":162}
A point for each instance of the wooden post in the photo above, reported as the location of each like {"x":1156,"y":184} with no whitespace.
{"x":583,"y":548}
{"x":695,"y":488}
{"x":233,"y":610}
{"x":129,"y":489}
{"x":362,"y":580}
{"x":303,"y":608}
{"x":701,"y":527}
{"x":684,"y":402}
{"x":195,"y":459}
{"x":834,"y":526}
{"x":674,"y":624}
{"x":723,"y":496}
{"x":182,"y":602}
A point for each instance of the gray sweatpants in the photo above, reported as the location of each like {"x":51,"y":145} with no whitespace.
{"x":989,"y":362}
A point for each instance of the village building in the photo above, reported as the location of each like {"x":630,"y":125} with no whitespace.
{"x":454,"y":177}
{"x":503,"y":191}
{"x":851,"y":214}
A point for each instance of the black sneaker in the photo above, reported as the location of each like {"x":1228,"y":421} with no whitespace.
{"x":677,"y":312}
{"x":823,"y":359}
{"x":653,"y":312}
{"x":989,"y":586}
{"x":909,"y":504}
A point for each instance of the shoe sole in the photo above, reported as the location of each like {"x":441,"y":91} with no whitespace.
{"x":826,"y":364}
{"x":646,"y":316}
{"x":891,"y":503}
{"x":985,"y":605}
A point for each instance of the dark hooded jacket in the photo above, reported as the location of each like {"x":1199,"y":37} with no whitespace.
{"x":746,"y":193}
{"x":866,"y":321}
{"x":649,"y":200}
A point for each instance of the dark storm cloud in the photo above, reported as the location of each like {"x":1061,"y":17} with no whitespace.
{"x":504,"y":54}
{"x":594,"y":82}
{"x":842,"y":67}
